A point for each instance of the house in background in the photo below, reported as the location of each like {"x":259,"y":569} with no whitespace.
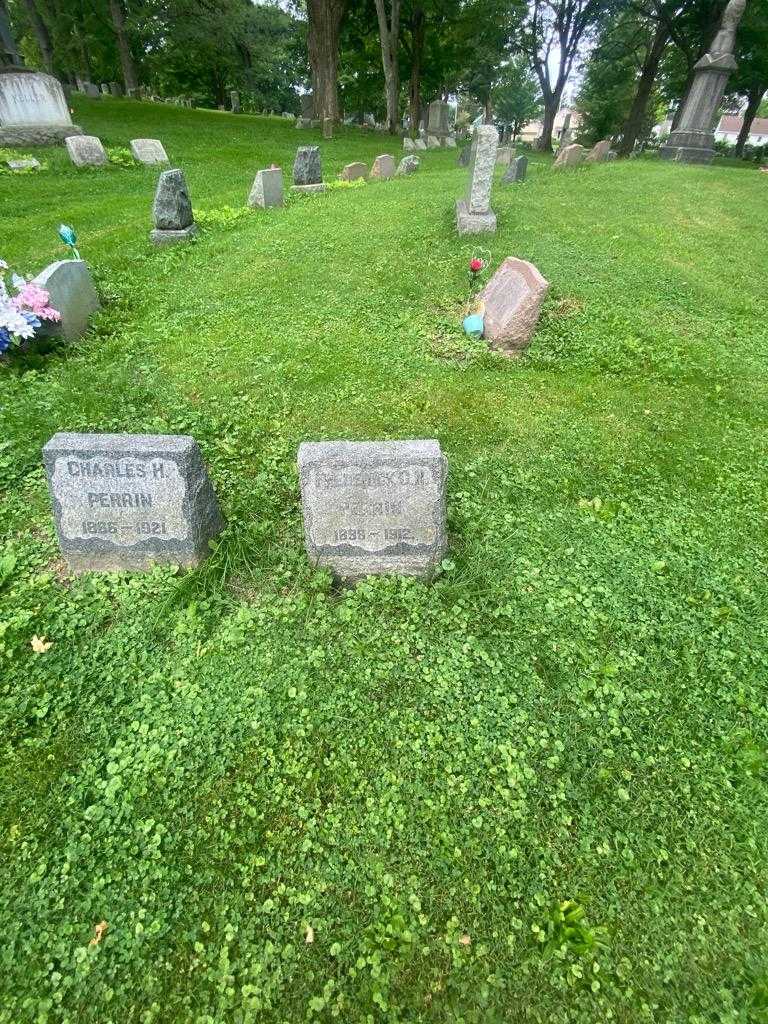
{"x":729,"y":127}
{"x":565,"y":119}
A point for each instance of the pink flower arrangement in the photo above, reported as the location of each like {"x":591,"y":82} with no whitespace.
{"x":34,"y":299}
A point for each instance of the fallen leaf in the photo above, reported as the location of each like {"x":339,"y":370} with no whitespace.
{"x":40,"y":645}
{"x":465,"y":940}
{"x":310,"y":936}
{"x":98,"y":933}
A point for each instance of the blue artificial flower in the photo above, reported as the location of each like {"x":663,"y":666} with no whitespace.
{"x":5,"y":340}
{"x":67,"y":234}
{"x":32,"y":320}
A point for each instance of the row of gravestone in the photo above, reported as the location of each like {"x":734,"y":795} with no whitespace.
{"x":431,"y":142}
{"x":575,"y":155}
{"x":131,"y":501}
{"x":88,"y":151}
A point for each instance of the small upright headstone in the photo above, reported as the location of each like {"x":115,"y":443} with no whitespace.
{"x":104,"y":89}
{"x":91,"y":90}
{"x":511,"y":303}
{"x":373,"y":507}
{"x":172,"y":210}
{"x":71,"y":291}
{"x":569,"y":156}
{"x":115,"y":89}
{"x":301,"y":122}
{"x":419,"y":144}
{"x":504,"y":155}
{"x":474,"y":214}
{"x":267,"y":189}
{"x":327,"y":127}
{"x":408,"y":144}
{"x":433,"y":142}
{"x":611,"y":154}
{"x":315,"y":122}
{"x":130,"y":501}
{"x":307,"y":105}
{"x":437,"y":119}
{"x":353,"y":171}
{"x":599,"y":152}
{"x":307,"y":171}
{"x":407,"y":165}
{"x":516,"y":170}
{"x":383,"y":167}
{"x":234,"y":101}
{"x":85,"y":151}
{"x":149,"y":151}
{"x":450,"y":141}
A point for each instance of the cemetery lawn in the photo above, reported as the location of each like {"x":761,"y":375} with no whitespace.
{"x":291,"y":802}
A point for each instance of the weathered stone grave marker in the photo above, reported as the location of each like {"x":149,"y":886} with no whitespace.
{"x":172,"y":210}
{"x":307,"y":170}
{"x":474,"y":214}
{"x":267,"y":189}
{"x":516,"y":170}
{"x":327,"y":127}
{"x":234,"y":101}
{"x":149,"y":151}
{"x":407,"y":165}
{"x":373,"y":507}
{"x":130,"y":501}
{"x":408,"y":144}
{"x":33,"y":110}
{"x":511,"y":303}
{"x":383,"y":167}
{"x":85,"y":151}
{"x":569,"y":156}
{"x":353,"y":171}
{"x":71,"y":291}
{"x":599,"y":152}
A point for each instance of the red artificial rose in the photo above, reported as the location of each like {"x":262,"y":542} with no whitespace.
{"x":475,"y":265}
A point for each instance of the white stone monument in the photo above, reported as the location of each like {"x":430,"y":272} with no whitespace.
{"x":33,"y":109}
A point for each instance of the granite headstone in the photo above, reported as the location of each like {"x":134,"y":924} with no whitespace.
{"x":474,"y":213}
{"x":172,"y":210}
{"x":407,"y":165}
{"x":85,"y":151}
{"x":71,"y":291}
{"x":511,"y":303}
{"x":516,"y":170}
{"x":267,"y":189}
{"x":307,"y":170}
{"x":149,"y":151}
{"x":383,"y":167}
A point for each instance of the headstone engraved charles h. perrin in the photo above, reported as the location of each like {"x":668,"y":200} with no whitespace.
{"x":130,"y":501}
{"x":373,"y":507}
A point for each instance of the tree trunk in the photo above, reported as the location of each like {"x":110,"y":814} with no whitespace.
{"x":754,"y":98}
{"x":389,"y":33}
{"x":124,"y":48}
{"x":417,"y":55}
{"x":637,"y":111}
{"x":551,"y":104}
{"x":42,"y":35}
{"x":488,"y":118}
{"x":324,"y":18}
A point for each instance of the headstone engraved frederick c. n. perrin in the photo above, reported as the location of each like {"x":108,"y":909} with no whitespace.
{"x":374,"y":507}
{"x":130,"y":501}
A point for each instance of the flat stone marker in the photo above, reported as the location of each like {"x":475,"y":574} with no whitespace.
{"x":23,"y":165}
{"x":307,"y":171}
{"x":511,"y":304}
{"x":130,"y":501}
{"x":383,"y":167}
{"x":149,"y":151}
{"x":69,"y":284}
{"x":373,"y":507}
{"x":407,"y":165}
{"x":474,"y":214}
{"x":172,"y":210}
{"x":516,"y":170}
{"x":419,"y":144}
{"x":599,"y":152}
{"x":354,"y":171}
{"x":85,"y":151}
{"x":408,"y":144}
{"x":267,"y":189}
{"x":569,"y":156}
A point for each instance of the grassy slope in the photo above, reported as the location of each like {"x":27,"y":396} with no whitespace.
{"x":575,"y":710}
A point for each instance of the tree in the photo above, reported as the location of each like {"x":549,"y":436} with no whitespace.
{"x":324,"y":19}
{"x":553,"y":32}
{"x":42,"y":35}
{"x":117,"y":13}
{"x":485,"y":32}
{"x":389,"y":33}
{"x":750,"y":79}
{"x":516,"y":98}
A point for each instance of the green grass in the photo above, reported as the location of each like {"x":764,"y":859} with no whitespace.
{"x":575,"y":710}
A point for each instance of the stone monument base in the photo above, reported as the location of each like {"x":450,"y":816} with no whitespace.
{"x":317,"y":187}
{"x":689,"y":147}
{"x":37,"y":134}
{"x":473,"y":223}
{"x":158,"y":237}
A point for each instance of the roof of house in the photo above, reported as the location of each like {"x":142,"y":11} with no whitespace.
{"x":731,"y":123}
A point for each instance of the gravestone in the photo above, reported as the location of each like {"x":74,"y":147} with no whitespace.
{"x":327,"y":127}
{"x":408,"y":144}
{"x":504,"y":155}
{"x":301,"y":122}
{"x":115,"y":89}
{"x":234,"y":101}
{"x":33,"y":110}
{"x":91,"y":90}
{"x":315,"y":122}
{"x":383,"y":167}
{"x":373,"y":507}
{"x":104,"y":89}
{"x":172,"y":210}
{"x":23,"y":165}
{"x":85,"y":151}
{"x":353,"y":171}
{"x":474,"y":214}
{"x":130,"y":501}
{"x":450,"y":141}
{"x":611,"y":154}
{"x":267,"y":189}
{"x":433,"y":142}
{"x":599,"y":152}
{"x":437,"y":119}
{"x":307,"y":106}
{"x":71,"y":291}
{"x":569,"y":156}
{"x":419,"y":144}
{"x":407,"y":165}
{"x":307,"y":171}
{"x":149,"y":151}
{"x":511,"y":303}
{"x":516,"y":170}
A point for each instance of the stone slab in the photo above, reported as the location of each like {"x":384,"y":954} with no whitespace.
{"x":408,"y":144}
{"x":516,"y":171}
{"x":32,"y":98}
{"x":569,"y":156}
{"x":504,"y":156}
{"x":149,"y":151}
{"x":23,"y":165}
{"x":130,"y":501}
{"x":85,"y":151}
{"x":450,"y":142}
{"x":433,"y":142}
{"x":169,"y":236}
{"x":307,"y":169}
{"x":374,"y":507}
{"x":599,"y":152}
{"x":327,"y":127}
{"x":353,"y":171}
{"x":383,"y":167}
{"x":267,"y":189}
{"x":309,"y":189}
{"x":408,"y":165}
{"x":511,"y":303}
{"x":468,"y":223}
{"x":482,"y":162}
{"x":37,"y":134}
{"x":70,"y":287}
{"x":172,"y":207}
